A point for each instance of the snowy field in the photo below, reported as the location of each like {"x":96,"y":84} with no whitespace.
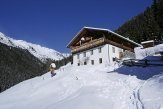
{"x":87,"y":87}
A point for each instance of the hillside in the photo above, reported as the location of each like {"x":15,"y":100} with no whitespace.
{"x":148,"y":25}
{"x":21,"y":60}
{"x":85,"y":87}
{"x":38,"y":51}
{"x":17,"y":65}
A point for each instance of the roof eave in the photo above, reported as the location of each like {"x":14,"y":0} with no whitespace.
{"x":68,"y":45}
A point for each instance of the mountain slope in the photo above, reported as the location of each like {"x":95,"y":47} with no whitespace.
{"x":84,"y":87}
{"x":148,"y":25}
{"x":38,"y":51}
{"x":20,"y":60}
{"x":17,"y":65}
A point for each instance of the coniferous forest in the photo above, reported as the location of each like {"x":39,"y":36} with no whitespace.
{"x":17,"y":65}
{"x":145,"y":26}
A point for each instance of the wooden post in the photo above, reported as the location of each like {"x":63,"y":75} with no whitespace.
{"x":146,"y":62}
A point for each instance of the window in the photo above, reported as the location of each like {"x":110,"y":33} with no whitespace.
{"x":92,"y":62}
{"x":84,"y":54}
{"x":91,"y":52}
{"x":100,"y":60}
{"x":85,"y":63}
{"x":113,"y":59}
{"x":99,"y":50}
{"x":77,"y":56}
{"x":113,"y":49}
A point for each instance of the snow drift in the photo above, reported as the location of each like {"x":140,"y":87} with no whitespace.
{"x":85,"y":87}
{"x":141,"y":53}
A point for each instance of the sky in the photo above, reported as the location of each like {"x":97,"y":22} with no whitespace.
{"x":53,"y":23}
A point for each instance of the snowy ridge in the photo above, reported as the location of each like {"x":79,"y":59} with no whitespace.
{"x":38,"y":51}
{"x":85,"y":87}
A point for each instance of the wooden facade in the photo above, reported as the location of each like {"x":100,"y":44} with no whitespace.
{"x":89,"y":38}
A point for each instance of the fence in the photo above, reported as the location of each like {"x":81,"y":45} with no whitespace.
{"x":143,"y":63}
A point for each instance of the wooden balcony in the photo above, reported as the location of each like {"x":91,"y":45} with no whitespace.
{"x":88,"y":45}
{"x":119,"y":45}
{"x":97,"y":42}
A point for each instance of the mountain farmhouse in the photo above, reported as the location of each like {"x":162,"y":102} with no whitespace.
{"x":92,"y":46}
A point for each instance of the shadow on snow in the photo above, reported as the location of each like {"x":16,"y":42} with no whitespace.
{"x":141,"y":72}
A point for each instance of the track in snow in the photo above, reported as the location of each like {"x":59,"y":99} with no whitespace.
{"x":136,"y":100}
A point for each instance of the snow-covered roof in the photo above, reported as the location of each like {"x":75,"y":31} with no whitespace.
{"x":101,"y":29}
{"x":144,"y":42}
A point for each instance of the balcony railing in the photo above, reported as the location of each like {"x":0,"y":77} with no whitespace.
{"x":88,"y":45}
{"x":97,"y":42}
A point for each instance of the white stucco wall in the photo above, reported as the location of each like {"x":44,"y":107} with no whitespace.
{"x":113,"y":55}
{"x":106,"y":55}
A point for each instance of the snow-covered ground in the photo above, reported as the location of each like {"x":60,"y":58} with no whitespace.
{"x":86,"y":87}
{"x":151,"y":94}
{"x":38,"y":51}
{"x":142,"y":53}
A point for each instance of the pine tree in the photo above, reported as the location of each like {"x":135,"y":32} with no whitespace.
{"x":146,"y":26}
{"x":154,"y":7}
{"x":160,"y":13}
